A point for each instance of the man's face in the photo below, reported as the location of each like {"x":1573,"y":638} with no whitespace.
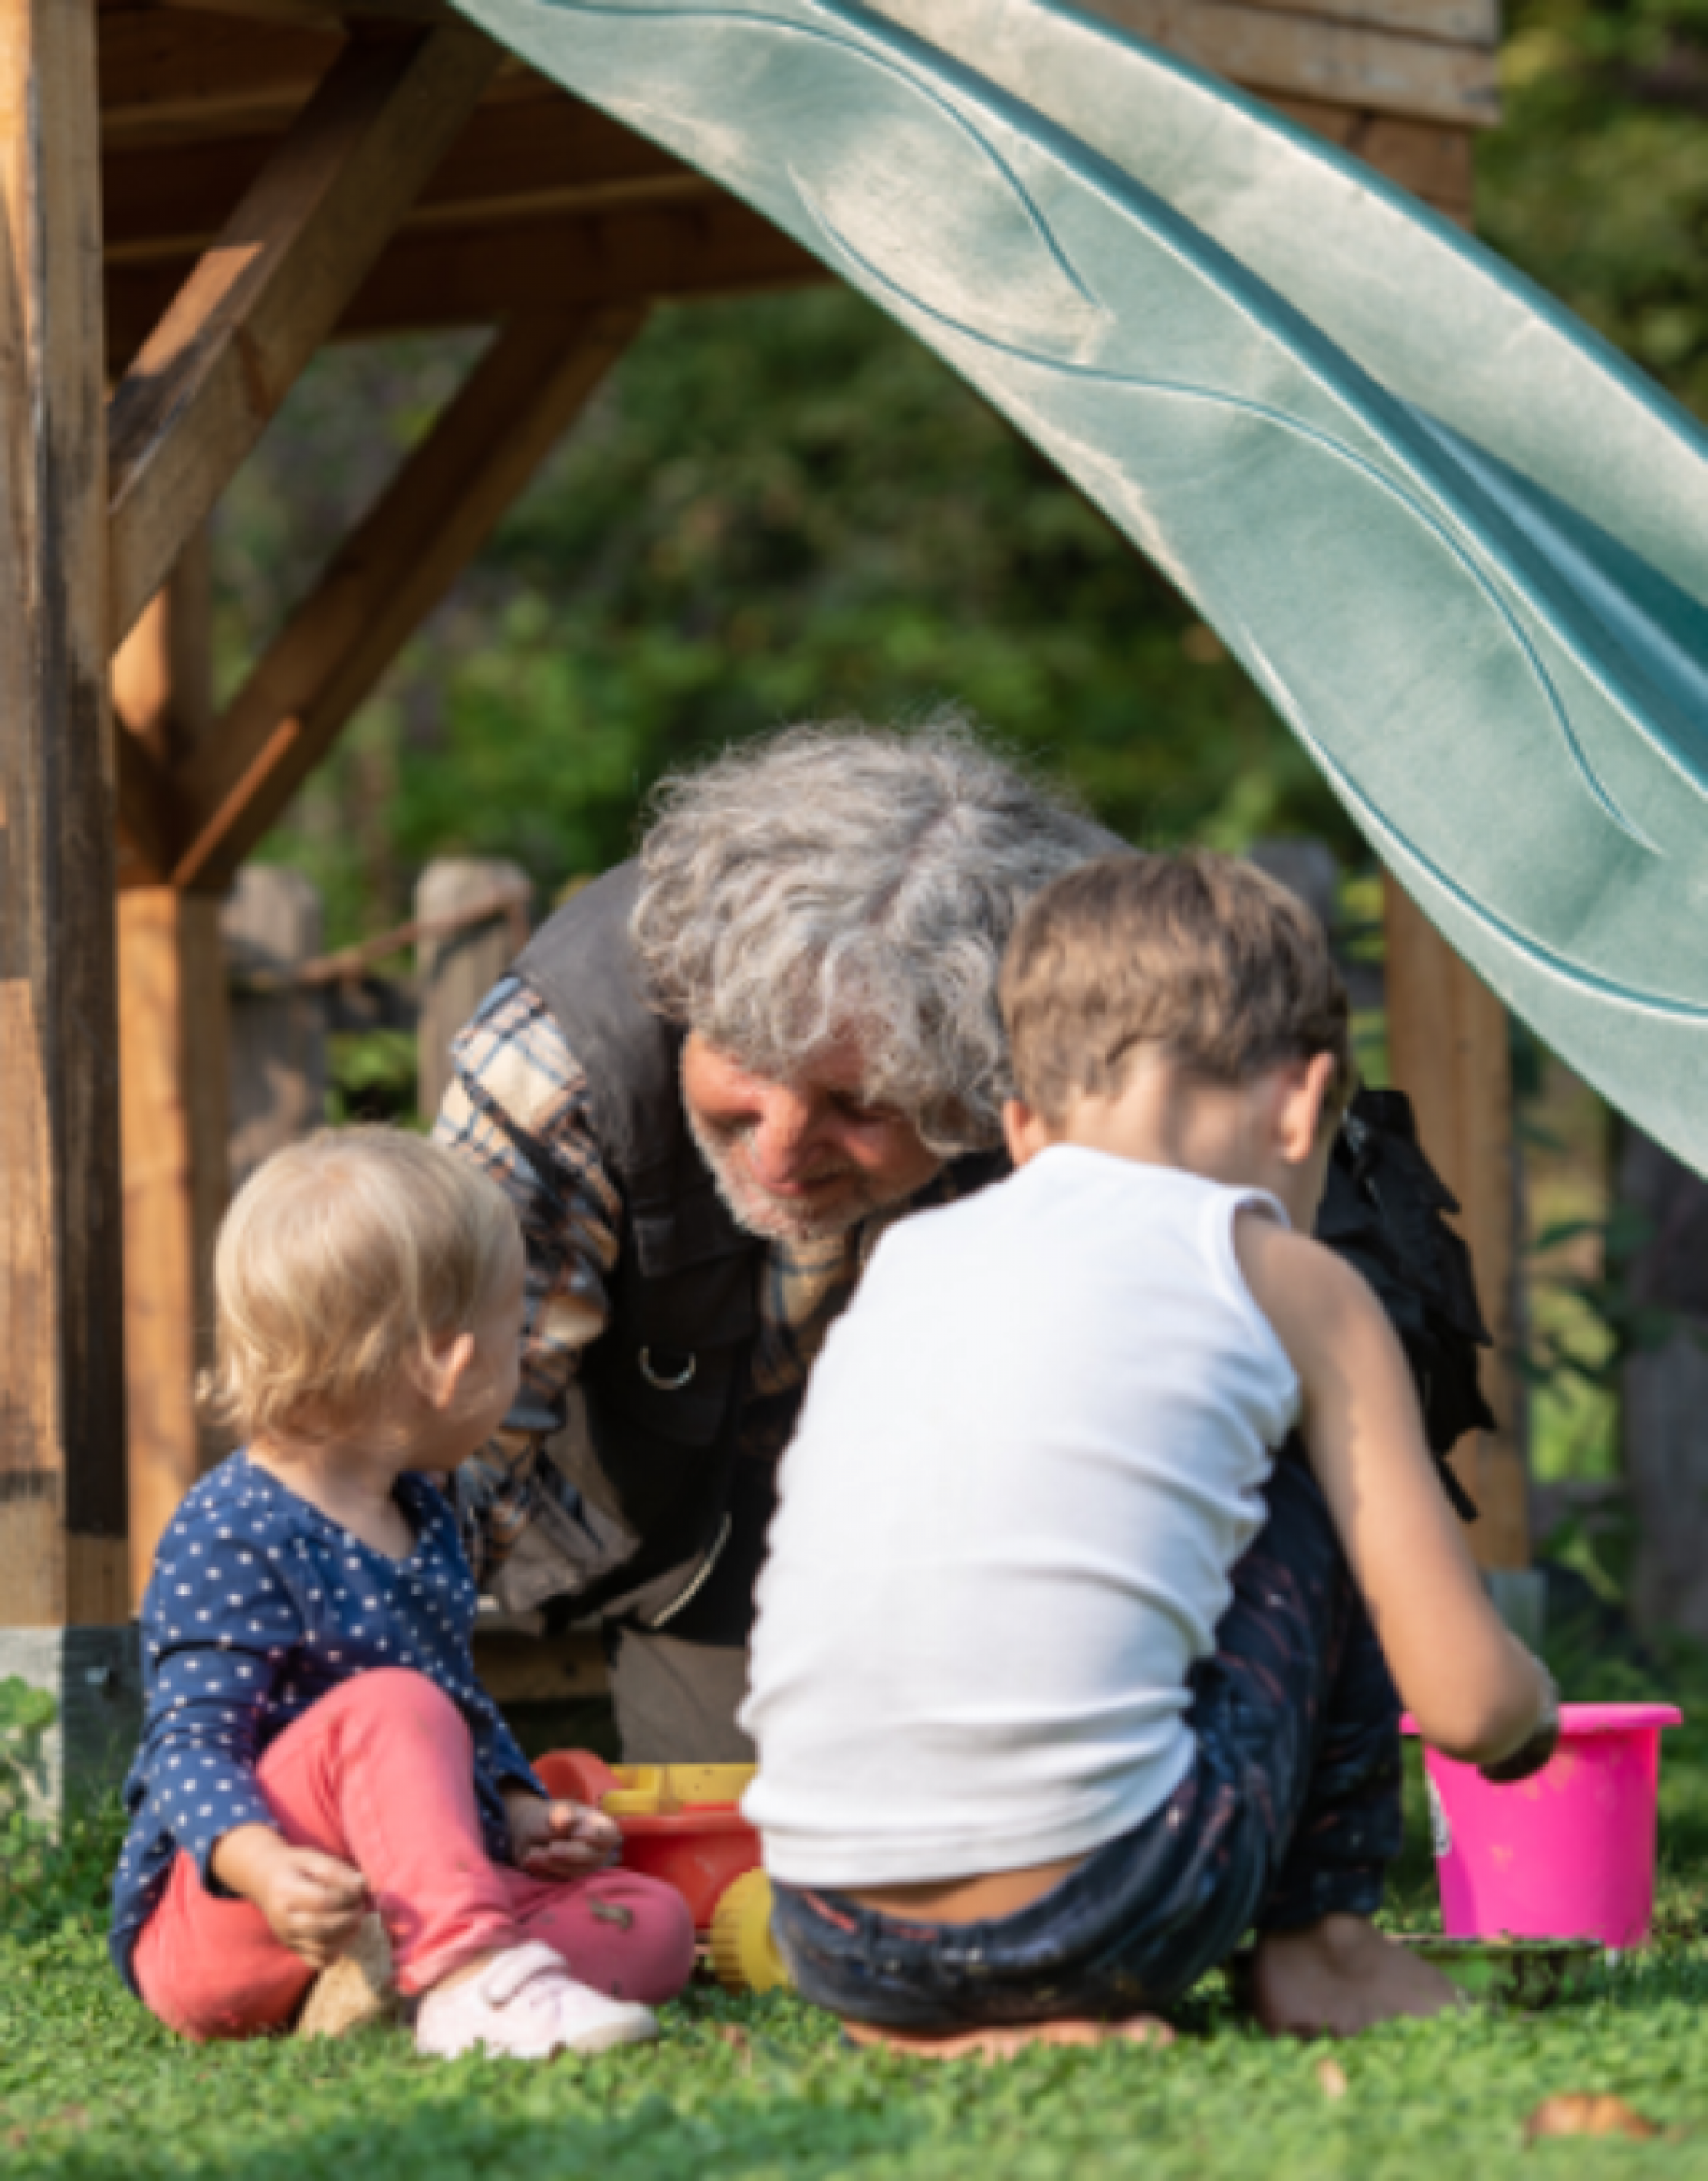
{"x":796,"y":1161}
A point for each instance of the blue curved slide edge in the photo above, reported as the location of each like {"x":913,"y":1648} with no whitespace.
{"x":1455,"y":538}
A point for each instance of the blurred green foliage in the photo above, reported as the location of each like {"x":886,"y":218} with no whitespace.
{"x":373,"y":1079}
{"x":776,"y":510}
{"x":785,"y":508}
{"x":1597,"y":181}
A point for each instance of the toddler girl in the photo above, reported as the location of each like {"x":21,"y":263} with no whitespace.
{"x":316,"y":1745}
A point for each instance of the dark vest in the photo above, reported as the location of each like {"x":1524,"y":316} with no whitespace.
{"x":663,"y":1385}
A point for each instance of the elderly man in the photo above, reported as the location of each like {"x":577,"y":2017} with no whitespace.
{"x":710,"y":1082}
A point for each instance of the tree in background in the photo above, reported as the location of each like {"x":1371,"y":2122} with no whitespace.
{"x":778,"y":508}
{"x":786,"y":508}
{"x":1597,"y":184}
{"x":1597,"y":181}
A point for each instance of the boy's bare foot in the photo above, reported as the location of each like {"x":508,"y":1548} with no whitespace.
{"x":1340,"y":1976}
{"x":1010,"y":2042}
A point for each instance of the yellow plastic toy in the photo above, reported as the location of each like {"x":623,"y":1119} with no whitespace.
{"x":684,"y":1823}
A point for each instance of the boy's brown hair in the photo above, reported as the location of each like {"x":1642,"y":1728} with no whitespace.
{"x":1202,"y":956}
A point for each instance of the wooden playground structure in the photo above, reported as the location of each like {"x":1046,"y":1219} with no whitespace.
{"x":197,"y":197}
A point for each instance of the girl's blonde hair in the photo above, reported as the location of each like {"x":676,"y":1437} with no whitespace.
{"x":339,"y":1263}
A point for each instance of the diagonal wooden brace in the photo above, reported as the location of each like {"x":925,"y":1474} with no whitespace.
{"x":391,"y":574}
{"x":263,"y":299}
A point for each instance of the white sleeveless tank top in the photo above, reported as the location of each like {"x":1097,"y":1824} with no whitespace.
{"x":1029,"y":1455}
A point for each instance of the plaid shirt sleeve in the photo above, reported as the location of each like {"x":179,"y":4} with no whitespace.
{"x":518,"y":1107}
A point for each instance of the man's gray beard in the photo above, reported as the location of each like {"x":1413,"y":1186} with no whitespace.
{"x":772,"y":1221}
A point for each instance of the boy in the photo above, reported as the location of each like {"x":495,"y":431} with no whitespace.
{"x":1111,"y":1689}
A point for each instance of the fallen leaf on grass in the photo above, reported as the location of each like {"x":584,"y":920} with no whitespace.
{"x":1586,"y":2113}
{"x":739,"y":2042}
{"x":1332,"y":2076}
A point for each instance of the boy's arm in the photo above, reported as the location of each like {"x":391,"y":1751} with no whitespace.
{"x":1474,"y":1690}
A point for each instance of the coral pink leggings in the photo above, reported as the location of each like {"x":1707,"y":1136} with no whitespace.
{"x":381,"y":1773}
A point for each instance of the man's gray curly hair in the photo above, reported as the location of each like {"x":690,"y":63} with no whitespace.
{"x":846,"y":877}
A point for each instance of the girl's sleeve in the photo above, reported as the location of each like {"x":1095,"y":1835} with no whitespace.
{"x":221,"y":1628}
{"x":499,"y":1754}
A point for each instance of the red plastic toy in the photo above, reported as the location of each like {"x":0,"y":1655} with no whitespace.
{"x":684,"y":1823}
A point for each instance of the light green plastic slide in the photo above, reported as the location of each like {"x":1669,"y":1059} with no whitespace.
{"x":1457,"y":540}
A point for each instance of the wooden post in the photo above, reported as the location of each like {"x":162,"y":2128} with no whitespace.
{"x":278,"y":1046}
{"x":1663,"y":1423}
{"x":1447,"y":1050}
{"x":171,"y":1025}
{"x":456,"y":969}
{"x":163,"y":689}
{"x":62,"y":1375}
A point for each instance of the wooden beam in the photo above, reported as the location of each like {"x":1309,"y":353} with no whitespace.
{"x":162,"y":706}
{"x":312,"y":11}
{"x":163,"y":77}
{"x":518,"y":1667}
{"x":1433,"y":162}
{"x":714,"y":246}
{"x":61,"y":1378}
{"x":1448,"y":1050}
{"x":148,"y":826}
{"x":1454,"y":22}
{"x":172,"y":1042}
{"x":399,"y":563}
{"x":179,"y":79}
{"x":264,"y":298}
{"x":515,"y":160}
{"x":1341,"y":62}
{"x":163,"y":690}
{"x":634,"y":254}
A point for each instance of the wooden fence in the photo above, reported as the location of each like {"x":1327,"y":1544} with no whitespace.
{"x":288,"y":997}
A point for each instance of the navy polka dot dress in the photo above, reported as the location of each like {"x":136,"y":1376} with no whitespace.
{"x":260,"y":1604}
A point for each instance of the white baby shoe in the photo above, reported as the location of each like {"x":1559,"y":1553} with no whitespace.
{"x":526,"y":2004}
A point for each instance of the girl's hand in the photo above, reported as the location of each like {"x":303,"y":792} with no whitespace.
{"x":313,"y":1902}
{"x":560,"y":1840}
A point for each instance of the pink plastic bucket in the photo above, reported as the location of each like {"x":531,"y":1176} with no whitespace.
{"x":1567,"y":1855}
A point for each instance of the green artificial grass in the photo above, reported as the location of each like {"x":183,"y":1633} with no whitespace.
{"x":758,"y":2088}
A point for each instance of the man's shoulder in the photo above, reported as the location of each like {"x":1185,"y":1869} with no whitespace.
{"x":582,"y":966}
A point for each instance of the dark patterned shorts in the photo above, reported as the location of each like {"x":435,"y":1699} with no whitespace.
{"x":1290,"y":1812}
